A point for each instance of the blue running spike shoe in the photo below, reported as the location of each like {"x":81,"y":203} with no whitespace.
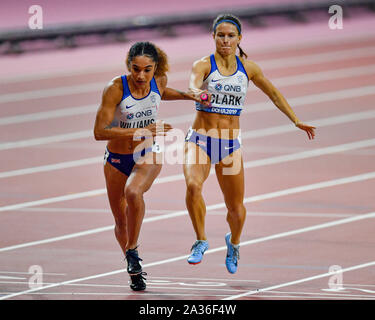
{"x":197,"y":251}
{"x":233,"y":255}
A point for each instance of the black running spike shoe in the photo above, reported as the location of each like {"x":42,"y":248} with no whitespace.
{"x":134,"y":269}
{"x":138,"y":283}
{"x":133,"y":261}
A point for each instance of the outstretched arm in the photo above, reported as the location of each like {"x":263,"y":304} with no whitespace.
{"x":174,"y":94}
{"x":258,"y":78}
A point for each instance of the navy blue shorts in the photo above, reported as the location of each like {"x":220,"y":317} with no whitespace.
{"x":216,"y":149}
{"x":124,"y":162}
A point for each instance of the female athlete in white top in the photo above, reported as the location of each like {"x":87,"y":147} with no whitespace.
{"x":129,"y":107}
{"x":215,"y":136}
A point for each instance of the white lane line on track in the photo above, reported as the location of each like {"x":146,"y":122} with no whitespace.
{"x":176,"y":76}
{"x":334,"y":293}
{"x":179,"y":177}
{"x":177,"y":294}
{"x":43,"y":140}
{"x":223,"y":248}
{"x":279,"y":82}
{"x":322,"y":122}
{"x":289,"y":214}
{"x":48,"y":115}
{"x":316,"y":277}
{"x":154,"y":280}
{"x":218,"y":212}
{"x":51,"y":167}
{"x":44,"y":273}
{"x":271,"y":195}
{"x":150,"y":285}
{"x":257,"y":107}
{"x":251,"y":134}
{"x":87,"y":210}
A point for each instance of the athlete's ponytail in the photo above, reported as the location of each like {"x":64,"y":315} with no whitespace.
{"x":242,"y":53}
{"x":150,"y":50}
{"x":162,"y":67}
{"x":227,"y":17}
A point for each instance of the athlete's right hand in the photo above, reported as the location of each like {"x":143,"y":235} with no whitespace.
{"x":159,"y":128}
{"x":196,"y":94}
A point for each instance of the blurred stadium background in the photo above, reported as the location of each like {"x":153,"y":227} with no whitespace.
{"x":77,"y":23}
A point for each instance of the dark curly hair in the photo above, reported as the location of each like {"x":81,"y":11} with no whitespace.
{"x":150,"y":50}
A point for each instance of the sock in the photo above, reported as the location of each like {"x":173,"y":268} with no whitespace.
{"x":237,"y":246}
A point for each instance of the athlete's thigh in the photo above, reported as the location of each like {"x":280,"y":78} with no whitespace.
{"x":230,"y":175}
{"x":115,"y":183}
{"x":144,"y":172}
{"x":197,"y":164}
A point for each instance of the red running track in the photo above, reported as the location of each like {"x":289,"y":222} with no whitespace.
{"x":310,"y":204}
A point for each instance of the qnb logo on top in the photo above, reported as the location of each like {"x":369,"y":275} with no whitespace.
{"x":227,"y":88}
{"x":139,"y":114}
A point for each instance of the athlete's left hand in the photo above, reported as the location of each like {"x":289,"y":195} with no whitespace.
{"x":310,"y":130}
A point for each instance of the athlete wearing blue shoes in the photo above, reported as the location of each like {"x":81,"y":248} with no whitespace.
{"x":129,"y":105}
{"x":214,"y":137}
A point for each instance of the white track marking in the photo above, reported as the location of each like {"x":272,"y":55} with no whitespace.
{"x":310,"y":153}
{"x":279,"y":82}
{"x":176,"y":76}
{"x":271,"y":195}
{"x":223,"y":212}
{"x":11,"y":278}
{"x":290,"y":214}
{"x":124,"y":294}
{"x":44,"y":140}
{"x":87,"y":210}
{"x":323,"y":122}
{"x":48,"y":115}
{"x":78,"y":195}
{"x":150,"y":285}
{"x":179,"y":177}
{"x":317,"y":58}
{"x":322,"y":76}
{"x":51,"y":167}
{"x":251,"y":134}
{"x":223,"y":248}
{"x":54,"y":92}
{"x":45,"y":273}
{"x":257,"y":107}
{"x":316,"y":277}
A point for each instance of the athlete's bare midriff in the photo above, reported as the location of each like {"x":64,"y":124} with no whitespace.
{"x":217,"y":125}
{"x":127,"y":145}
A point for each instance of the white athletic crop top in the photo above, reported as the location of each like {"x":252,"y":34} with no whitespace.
{"x":227,"y":92}
{"x":137,"y":113}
